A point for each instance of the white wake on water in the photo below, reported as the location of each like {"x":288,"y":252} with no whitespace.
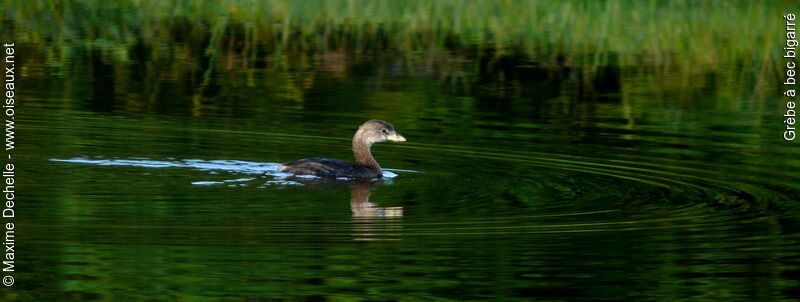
{"x":264,"y":169}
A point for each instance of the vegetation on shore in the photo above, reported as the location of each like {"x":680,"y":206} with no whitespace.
{"x":580,"y":32}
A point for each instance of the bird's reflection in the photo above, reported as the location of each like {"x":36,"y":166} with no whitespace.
{"x":363,"y":208}
{"x":370,"y":220}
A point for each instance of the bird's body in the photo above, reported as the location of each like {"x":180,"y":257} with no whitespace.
{"x":365,"y":167}
{"x":329,"y":168}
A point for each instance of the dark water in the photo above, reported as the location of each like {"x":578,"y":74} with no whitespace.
{"x":529,"y":186}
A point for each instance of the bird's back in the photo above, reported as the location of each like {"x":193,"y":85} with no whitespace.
{"x":327,"y":167}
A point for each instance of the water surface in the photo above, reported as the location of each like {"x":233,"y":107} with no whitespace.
{"x":140,"y":187}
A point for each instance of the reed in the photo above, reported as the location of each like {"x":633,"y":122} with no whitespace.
{"x":694,"y":35}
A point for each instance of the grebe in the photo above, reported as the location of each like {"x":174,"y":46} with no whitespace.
{"x":372,"y":131}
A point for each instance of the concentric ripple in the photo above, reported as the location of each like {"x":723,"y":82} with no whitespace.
{"x":463,"y":217}
{"x":535,"y":193}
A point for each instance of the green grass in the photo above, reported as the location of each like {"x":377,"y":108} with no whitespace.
{"x":692,"y":35}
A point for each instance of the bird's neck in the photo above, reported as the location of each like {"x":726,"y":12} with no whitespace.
{"x":363,"y":155}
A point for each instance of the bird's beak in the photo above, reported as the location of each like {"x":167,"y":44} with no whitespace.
{"x":395,"y":137}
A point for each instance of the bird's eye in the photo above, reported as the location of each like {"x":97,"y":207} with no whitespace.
{"x":384,"y":131}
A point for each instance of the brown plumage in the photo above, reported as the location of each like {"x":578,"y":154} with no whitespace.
{"x":372,"y":131}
